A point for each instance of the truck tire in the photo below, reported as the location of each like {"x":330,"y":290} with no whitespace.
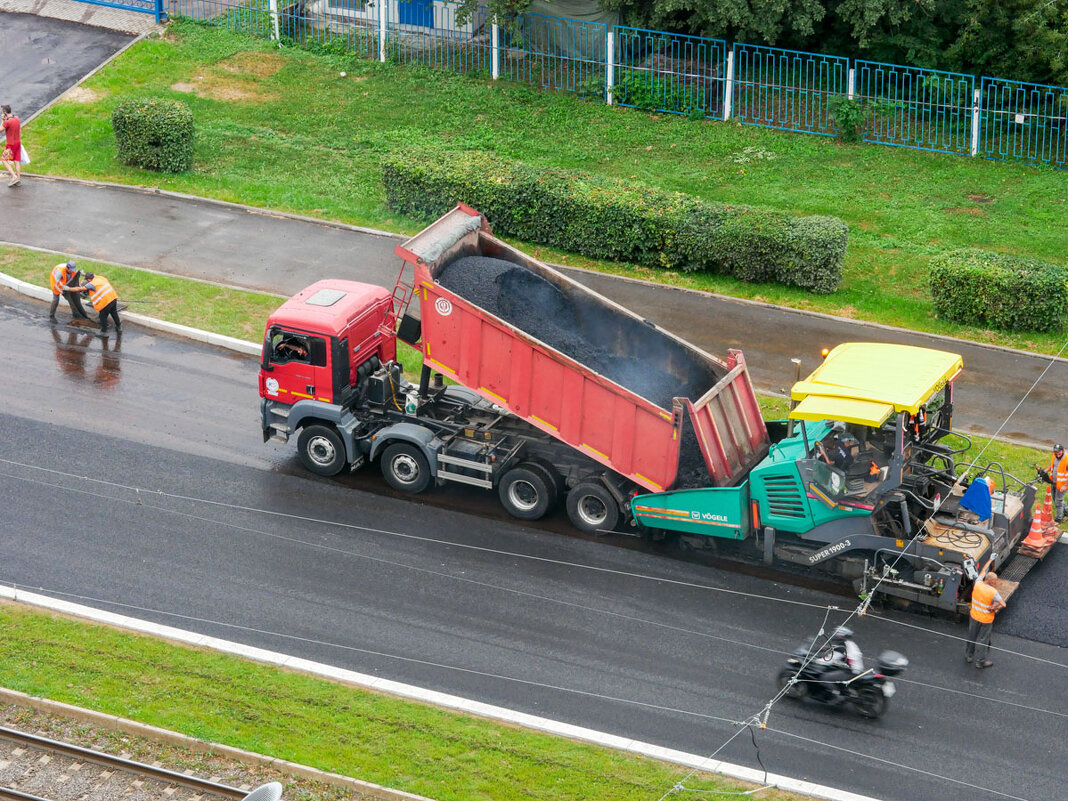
{"x":592,"y":508}
{"x":526,"y":492}
{"x":405,"y":468}
{"x":321,"y":450}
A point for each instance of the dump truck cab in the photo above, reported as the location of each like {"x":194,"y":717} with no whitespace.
{"x":316,"y":347}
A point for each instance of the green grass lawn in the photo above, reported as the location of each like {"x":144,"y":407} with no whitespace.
{"x":378,"y":738}
{"x":281,"y":128}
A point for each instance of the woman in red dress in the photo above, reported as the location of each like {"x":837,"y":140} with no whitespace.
{"x":12,"y":155}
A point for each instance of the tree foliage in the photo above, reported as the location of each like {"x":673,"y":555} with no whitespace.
{"x":1017,"y":39}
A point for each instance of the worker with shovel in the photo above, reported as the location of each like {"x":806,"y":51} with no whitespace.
{"x":64,"y":281}
{"x":104,"y":299}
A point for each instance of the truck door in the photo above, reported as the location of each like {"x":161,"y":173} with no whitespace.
{"x":299,"y":367}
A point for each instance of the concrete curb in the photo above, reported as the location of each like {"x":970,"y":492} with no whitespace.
{"x":127,"y":726}
{"x":435,"y":698}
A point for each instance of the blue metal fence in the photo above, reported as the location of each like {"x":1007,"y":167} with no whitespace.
{"x":154,"y":7}
{"x":756,"y":85}
{"x":555,"y":53}
{"x":787,"y":89}
{"x":427,"y":33}
{"x":669,"y":72}
{"x":916,"y":108}
{"x":1024,"y":122}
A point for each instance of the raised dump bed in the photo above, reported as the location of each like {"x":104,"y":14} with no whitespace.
{"x":578,"y":366}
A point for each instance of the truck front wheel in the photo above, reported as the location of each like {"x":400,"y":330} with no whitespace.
{"x":405,"y":468}
{"x":526,"y":492}
{"x":321,"y":450}
{"x":592,"y":508}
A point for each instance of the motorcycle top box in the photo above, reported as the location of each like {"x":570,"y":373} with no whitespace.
{"x":890,"y":663}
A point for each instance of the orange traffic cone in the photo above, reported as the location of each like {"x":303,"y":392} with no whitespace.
{"x":1036,"y":537}
{"x":1047,"y":513}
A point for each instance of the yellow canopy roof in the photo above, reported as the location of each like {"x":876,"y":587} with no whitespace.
{"x":866,"y":382}
{"x":865,"y":413}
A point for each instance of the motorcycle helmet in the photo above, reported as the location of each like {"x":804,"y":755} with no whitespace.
{"x":841,"y":634}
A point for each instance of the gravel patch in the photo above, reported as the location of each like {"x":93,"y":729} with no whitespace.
{"x":56,"y":781}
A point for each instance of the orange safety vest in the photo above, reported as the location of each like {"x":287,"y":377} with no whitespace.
{"x":983,"y":602}
{"x":1058,"y":471}
{"x":59,"y":277}
{"x":102,"y":294}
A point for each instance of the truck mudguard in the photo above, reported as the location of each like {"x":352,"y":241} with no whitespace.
{"x":414,"y":434}
{"x":303,"y":411}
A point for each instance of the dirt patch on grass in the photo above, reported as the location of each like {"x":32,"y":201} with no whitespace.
{"x":79,"y":94}
{"x":972,"y":210}
{"x":224,"y":87}
{"x":238,"y":78}
{"x":258,"y":65}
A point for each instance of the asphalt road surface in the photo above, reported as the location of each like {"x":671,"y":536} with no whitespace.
{"x":268,"y":252}
{"x":41,"y":58}
{"x":136,"y":481}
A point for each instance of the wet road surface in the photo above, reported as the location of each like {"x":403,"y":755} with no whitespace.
{"x":171,"y":509}
{"x":273,"y":253}
{"x":40,"y":58}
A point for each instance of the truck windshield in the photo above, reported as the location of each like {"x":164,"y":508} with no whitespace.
{"x":829,"y":480}
{"x":289,"y":346}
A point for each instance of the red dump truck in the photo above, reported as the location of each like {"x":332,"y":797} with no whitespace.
{"x":558,"y":392}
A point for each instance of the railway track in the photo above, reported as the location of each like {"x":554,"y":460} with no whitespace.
{"x":34,"y":768}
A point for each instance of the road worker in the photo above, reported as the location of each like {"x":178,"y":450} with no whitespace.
{"x":986,"y":602}
{"x":1058,"y":477}
{"x":64,"y":279}
{"x":104,"y":299}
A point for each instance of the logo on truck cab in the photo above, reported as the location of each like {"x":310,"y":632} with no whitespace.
{"x":443,"y":306}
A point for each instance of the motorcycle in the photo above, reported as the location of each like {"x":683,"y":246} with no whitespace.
{"x":868,"y":693}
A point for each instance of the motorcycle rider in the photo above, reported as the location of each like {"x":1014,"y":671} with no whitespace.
{"x":845,"y":657}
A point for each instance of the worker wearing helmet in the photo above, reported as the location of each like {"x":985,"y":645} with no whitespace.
{"x":104,"y":299}
{"x":844,"y":656}
{"x":1058,"y":477}
{"x":64,"y":281}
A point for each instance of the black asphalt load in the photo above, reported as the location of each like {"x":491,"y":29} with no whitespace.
{"x":41,"y":57}
{"x":593,"y":334}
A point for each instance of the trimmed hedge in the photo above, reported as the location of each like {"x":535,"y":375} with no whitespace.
{"x":610,"y":219}
{"x":154,"y":134}
{"x":1000,"y":291}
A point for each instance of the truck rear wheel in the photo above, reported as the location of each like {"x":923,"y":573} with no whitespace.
{"x":321,"y":450}
{"x":592,"y":508}
{"x":405,"y":468}
{"x":526,"y":492}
